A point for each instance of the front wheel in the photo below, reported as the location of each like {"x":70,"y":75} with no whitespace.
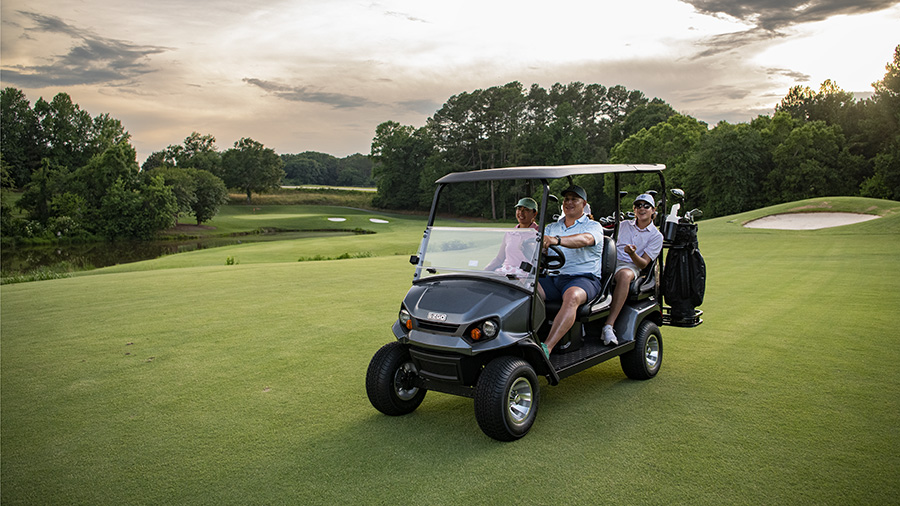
{"x":644,"y":360}
{"x":506,"y":398}
{"x":392,"y":381}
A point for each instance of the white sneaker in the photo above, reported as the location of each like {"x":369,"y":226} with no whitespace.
{"x":609,"y":335}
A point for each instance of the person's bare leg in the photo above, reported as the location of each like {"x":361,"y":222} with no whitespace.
{"x":620,"y":293}
{"x":572,"y":298}
{"x":623,"y":282}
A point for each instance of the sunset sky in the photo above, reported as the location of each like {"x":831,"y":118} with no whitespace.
{"x":320,"y":75}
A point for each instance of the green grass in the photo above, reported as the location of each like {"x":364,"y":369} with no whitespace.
{"x":399,"y":236}
{"x":244,"y":384}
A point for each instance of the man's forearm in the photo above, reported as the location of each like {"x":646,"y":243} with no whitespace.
{"x":577,"y":240}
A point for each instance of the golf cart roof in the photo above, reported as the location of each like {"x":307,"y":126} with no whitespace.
{"x":546,"y":172}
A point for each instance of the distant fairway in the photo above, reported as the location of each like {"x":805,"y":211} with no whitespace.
{"x":389,"y":235}
{"x":183,"y":380}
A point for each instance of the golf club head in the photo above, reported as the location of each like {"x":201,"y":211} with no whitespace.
{"x":678,"y":192}
{"x":551,"y":200}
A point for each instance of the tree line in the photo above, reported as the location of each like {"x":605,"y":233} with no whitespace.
{"x":314,"y":168}
{"x":817,"y":143}
{"x":79,"y":178}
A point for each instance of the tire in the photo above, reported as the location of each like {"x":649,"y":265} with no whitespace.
{"x":391,"y":381}
{"x":643,"y":362}
{"x":506,"y":398}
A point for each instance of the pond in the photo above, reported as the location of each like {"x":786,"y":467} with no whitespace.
{"x":16,"y":260}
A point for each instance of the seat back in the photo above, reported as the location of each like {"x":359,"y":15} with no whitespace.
{"x":645,"y":284}
{"x":608,"y":265}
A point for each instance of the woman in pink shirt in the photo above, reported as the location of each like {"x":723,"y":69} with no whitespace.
{"x":512,"y":253}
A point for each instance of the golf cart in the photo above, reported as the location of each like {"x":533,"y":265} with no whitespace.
{"x":469,"y":330}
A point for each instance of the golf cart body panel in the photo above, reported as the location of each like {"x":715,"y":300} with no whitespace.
{"x":451,"y":307}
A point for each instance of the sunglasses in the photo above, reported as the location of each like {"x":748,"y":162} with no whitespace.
{"x":645,"y":205}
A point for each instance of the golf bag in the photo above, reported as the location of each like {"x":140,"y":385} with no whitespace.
{"x":684,"y":278}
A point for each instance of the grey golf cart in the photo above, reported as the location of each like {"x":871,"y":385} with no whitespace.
{"x":469,"y":330}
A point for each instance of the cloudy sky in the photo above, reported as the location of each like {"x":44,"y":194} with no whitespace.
{"x":320,"y":75}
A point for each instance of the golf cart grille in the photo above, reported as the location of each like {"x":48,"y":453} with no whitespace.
{"x":436,"y":327}
{"x":436,"y":366}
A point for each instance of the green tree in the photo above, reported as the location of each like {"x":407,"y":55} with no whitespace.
{"x":813,"y":162}
{"x":251,"y":167}
{"x":355,"y":170}
{"x":65,"y":131}
{"x":200,"y":152}
{"x":9,"y":224}
{"x":829,"y":104}
{"x":727,"y":169}
{"x":885,"y":181}
{"x":670,"y":143}
{"x":136,"y":212}
{"x":155,"y":160}
{"x":197,"y":152}
{"x":400,"y":153}
{"x":210,"y":193}
{"x":562,"y":142}
{"x":885,"y":121}
{"x":299,"y":169}
{"x":183,"y":184}
{"x":642,"y":117}
{"x":19,"y":136}
{"x":93,"y":180}
{"x":198,"y":192}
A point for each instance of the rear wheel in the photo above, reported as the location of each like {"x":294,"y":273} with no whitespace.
{"x":506,"y":398}
{"x":392,"y":381}
{"x":644,"y":360}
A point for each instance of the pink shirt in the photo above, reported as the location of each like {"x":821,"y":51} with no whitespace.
{"x":513,"y":252}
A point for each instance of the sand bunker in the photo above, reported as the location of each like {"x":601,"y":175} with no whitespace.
{"x":378,"y":220}
{"x":337,"y":219}
{"x":808,"y":221}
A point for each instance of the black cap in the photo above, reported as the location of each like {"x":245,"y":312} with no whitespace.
{"x":577,"y":190}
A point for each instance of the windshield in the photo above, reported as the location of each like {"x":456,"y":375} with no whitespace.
{"x":504,"y":254}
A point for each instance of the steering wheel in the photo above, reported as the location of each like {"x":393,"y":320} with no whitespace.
{"x":554,"y":259}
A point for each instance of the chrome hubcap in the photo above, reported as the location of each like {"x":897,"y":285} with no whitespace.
{"x":404,"y":385}
{"x":519,"y":401}
{"x":651,"y":352}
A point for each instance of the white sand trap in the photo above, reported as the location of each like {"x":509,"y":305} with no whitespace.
{"x":337,"y":219}
{"x":378,"y":220}
{"x":808,"y":221}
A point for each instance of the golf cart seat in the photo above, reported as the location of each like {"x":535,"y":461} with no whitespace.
{"x":644,"y":285}
{"x":603,"y":298}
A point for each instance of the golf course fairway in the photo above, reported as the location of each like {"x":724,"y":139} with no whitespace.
{"x":184,"y":380}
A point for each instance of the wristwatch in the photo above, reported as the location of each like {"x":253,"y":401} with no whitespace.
{"x":558,"y":240}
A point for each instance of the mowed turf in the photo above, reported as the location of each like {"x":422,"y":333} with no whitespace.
{"x":244,"y":384}
{"x":388,"y":234}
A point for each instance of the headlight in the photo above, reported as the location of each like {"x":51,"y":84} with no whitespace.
{"x":405,"y":319}
{"x":487,"y":329}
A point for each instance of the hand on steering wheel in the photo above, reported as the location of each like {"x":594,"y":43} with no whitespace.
{"x":553,"y":259}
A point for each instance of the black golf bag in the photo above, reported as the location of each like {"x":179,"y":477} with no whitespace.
{"x":684,"y":278}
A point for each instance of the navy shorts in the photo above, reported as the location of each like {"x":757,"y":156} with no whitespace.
{"x":555,"y":286}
